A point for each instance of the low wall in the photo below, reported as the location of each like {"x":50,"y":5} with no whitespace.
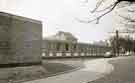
{"x":70,"y":54}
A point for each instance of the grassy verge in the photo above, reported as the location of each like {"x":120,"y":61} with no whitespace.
{"x":48,"y":68}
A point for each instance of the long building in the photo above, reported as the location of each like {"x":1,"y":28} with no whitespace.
{"x":64,"y":44}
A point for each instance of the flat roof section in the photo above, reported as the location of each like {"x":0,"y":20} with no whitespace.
{"x":20,"y":17}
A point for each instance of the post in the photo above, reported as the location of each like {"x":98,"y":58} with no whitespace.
{"x":117,"y":43}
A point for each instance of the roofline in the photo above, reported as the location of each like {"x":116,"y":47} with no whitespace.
{"x":55,"y":40}
{"x":62,"y":41}
{"x":19,"y":17}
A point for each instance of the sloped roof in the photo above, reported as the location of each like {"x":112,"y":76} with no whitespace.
{"x":63,"y":36}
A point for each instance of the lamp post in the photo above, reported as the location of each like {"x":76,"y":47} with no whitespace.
{"x":117,"y":43}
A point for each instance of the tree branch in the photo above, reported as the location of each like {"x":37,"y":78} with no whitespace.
{"x":127,"y":18}
{"x":99,"y":17}
{"x":97,"y":6}
{"x":105,"y":8}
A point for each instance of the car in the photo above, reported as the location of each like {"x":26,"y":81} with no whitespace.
{"x":129,"y":53}
{"x":108,"y":54}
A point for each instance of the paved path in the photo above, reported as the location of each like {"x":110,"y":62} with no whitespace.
{"x":124,"y":71}
{"x":94,"y":69}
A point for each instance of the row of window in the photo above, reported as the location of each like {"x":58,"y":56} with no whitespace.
{"x":74,"y":47}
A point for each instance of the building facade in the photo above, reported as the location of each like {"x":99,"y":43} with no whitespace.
{"x":20,"y":39}
{"x":57,"y":46}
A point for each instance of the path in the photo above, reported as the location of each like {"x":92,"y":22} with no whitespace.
{"x":94,"y":69}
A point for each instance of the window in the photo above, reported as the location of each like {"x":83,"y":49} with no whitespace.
{"x":67,"y":47}
{"x":75,"y":47}
{"x":58,"y":47}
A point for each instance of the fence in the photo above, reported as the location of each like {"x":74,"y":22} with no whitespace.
{"x":62,"y":54}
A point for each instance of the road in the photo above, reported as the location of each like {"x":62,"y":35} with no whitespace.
{"x":112,"y":70}
{"x":94,"y":69}
{"x":124,"y":71}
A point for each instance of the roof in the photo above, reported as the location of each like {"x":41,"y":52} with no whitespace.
{"x":19,"y":17}
{"x":62,"y":36}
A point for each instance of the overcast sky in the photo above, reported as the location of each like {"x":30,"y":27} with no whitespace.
{"x":60,"y":15}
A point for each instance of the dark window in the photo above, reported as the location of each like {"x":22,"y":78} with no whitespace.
{"x":58,"y":47}
{"x":67,"y":47}
{"x":75,"y":47}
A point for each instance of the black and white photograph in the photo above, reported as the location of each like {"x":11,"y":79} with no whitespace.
{"x":67,"y":41}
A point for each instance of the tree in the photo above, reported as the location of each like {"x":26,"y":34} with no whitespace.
{"x":129,"y":21}
{"x":124,"y":44}
{"x":105,"y":10}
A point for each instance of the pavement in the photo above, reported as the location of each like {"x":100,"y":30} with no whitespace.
{"x":93,"y":70}
{"x":124,"y":71}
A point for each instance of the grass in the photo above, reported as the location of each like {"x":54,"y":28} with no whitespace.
{"x":48,"y":68}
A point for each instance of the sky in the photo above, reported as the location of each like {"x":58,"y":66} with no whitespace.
{"x":59,"y":15}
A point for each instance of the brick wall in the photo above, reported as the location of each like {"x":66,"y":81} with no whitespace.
{"x":20,"y":39}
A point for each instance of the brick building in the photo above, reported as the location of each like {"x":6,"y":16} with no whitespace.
{"x":20,"y":39}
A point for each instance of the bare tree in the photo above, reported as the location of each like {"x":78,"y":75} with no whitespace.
{"x":129,"y":22}
{"x":106,"y":10}
{"x":125,"y":43}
